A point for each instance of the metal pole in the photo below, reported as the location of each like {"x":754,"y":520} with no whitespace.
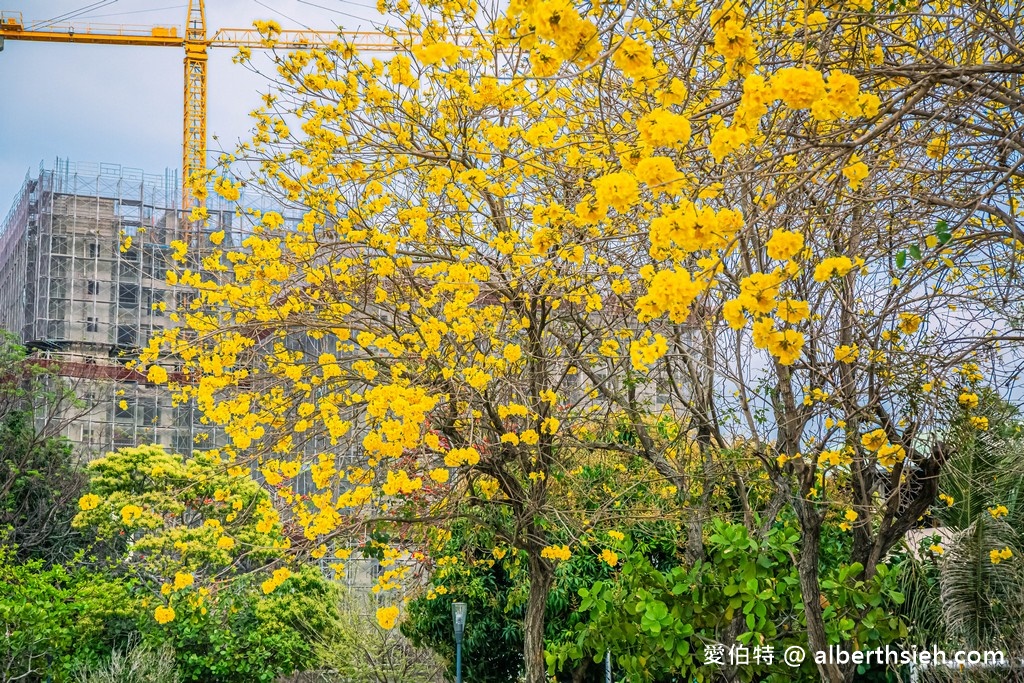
{"x":458,"y":661}
{"x":608,"y":666}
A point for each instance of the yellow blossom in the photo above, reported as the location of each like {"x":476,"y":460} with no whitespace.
{"x":164,"y":615}
{"x":556,"y":552}
{"x":387,"y":617}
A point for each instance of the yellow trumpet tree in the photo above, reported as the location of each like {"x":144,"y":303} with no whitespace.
{"x":532,"y":220}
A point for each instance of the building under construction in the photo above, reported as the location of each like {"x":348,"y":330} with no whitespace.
{"x":77,"y":297}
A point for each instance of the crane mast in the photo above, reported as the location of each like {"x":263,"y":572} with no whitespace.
{"x":193,"y":156}
{"x":196,"y":43}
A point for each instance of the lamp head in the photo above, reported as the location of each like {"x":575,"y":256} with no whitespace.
{"x":459,"y":619}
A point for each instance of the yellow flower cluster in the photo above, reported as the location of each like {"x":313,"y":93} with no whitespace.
{"x":663,"y":128}
{"x":835,"y":458}
{"x":89,"y":501}
{"x":689,"y":229}
{"x":878,"y":442}
{"x":968,"y":400}
{"x":997,"y":556}
{"x":609,"y":557}
{"x":733,"y":40}
{"x":164,"y":615}
{"x":727,"y":140}
{"x":833,"y":266}
{"x":400,"y":483}
{"x":784,"y":245}
{"x":457,"y":457}
{"x":910,"y":322}
{"x":798,"y":87}
{"x":647,"y":350}
{"x":556,"y":552}
{"x":634,"y":59}
{"x":847,"y":353}
{"x":387,"y":617}
{"x":279,"y":576}
{"x":671,"y":292}
{"x":659,"y":174}
{"x":855,"y":172}
{"x":183,"y":580}
{"x":998,"y":511}
{"x":618,"y":191}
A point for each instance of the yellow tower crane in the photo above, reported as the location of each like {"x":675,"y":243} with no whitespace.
{"x":196,"y":43}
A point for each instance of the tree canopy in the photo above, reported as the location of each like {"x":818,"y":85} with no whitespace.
{"x":790,"y":229}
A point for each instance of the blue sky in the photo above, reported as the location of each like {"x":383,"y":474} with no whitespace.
{"x":123,"y":104}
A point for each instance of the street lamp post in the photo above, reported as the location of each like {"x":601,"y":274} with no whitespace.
{"x":459,"y":621}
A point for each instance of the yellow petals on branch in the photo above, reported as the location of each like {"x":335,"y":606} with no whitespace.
{"x":512,"y":353}
{"x":647,"y":350}
{"x":909,"y":322}
{"x":786,"y":345}
{"x":163,"y":615}
{"x":671,"y":293}
{"x":659,"y":174}
{"x":458,"y":457}
{"x":279,"y":576}
{"x":183,"y":580}
{"x":847,"y":353}
{"x":130,"y":514}
{"x":617,"y":190}
{"x":873,"y":441}
{"x":732,"y":39}
{"x":556,"y":552}
{"x":855,"y":172}
{"x":727,"y":140}
{"x":156,"y":375}
{"x":834,"y":266}
{"x":387,"y":617}
{"x":400,"y":483}
{"x":938,"y":147}
{"x":89,"y":501}
{"x":732,"y":313}
{"x":968,"y":400}
{"x":798,"y":87}
{"x":890,"y":454}
{"x":663,"y":128}
{"x":529,"y":437}
{"x":793,"y":310}
{"x":634,"y":58}
{"x":997,"y":556}
{"x":784,"y":245}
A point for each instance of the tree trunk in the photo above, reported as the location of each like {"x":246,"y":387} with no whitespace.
{"x":810,"y":589}
{"x":541,"y":579}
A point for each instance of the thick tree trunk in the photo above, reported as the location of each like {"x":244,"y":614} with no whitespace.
{"x":541,"y":579}
{"x":810,"y":589}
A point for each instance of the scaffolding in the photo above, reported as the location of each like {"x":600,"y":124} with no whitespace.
{"x":84,"y":303}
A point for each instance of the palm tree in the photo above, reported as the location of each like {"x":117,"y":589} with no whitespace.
{"x":965,"y":582}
